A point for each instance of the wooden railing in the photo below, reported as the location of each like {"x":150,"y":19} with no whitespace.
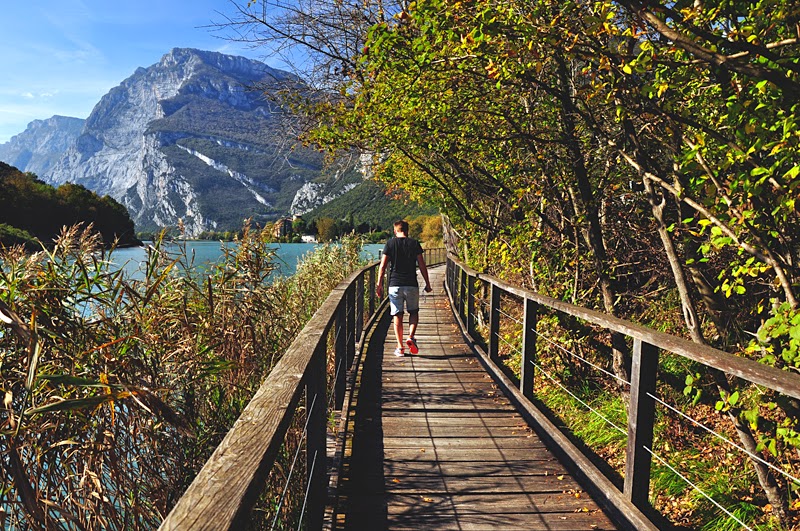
{"x":305,"y":390}
{"x":632,"y":503}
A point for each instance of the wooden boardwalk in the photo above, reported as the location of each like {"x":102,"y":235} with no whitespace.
{"x":436,"y":445}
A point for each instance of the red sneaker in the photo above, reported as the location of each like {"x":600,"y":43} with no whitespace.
{"x":412,"y":345}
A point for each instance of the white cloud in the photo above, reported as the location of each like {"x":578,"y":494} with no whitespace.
{"x":27,"y":95}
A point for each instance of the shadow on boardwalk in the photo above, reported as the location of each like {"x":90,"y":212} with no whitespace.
{"x":436,"y":445}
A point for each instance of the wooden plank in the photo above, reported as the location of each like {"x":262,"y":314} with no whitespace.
{"x":425,"y":453}
{"x":510,"y":485}
{"x":463,"y":443}
{"x":534,"y":503}
{"x":545,"y":465}
{"x":457,"y":431}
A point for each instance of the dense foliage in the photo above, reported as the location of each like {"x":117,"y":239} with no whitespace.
{"x":118,"y":389}
{"x":372,"y":205}
{"x":30,"y":208}
{"x":641,"y":157}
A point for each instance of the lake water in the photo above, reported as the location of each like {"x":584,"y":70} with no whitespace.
{"x":206,"y":252}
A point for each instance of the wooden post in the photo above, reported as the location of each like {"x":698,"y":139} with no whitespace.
{"x":471,"y":307}
{"x":528,"y":348}
{"x":350,"y":297}
{"x":340,"y":354}
{"x":359,"y":307}
{"x":450,"y":267}
{"x":462,"y":294}
{"x":371,"y":291}
{"x":316,"y":449}
{"x":449,"y":276}
{"x":641,"y":416}
{"x":494,"y":321}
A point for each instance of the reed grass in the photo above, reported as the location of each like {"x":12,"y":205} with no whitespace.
{"x":117,"y":390}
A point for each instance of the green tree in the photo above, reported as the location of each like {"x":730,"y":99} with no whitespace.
{"x":326,"y":229}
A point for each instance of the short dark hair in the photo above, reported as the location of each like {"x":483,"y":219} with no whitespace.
{"x":402,"y":225}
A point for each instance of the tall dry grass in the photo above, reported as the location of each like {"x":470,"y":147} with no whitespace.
{"x":116,"y":390}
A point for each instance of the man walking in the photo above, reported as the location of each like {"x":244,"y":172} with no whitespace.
{"x":405,"y":254}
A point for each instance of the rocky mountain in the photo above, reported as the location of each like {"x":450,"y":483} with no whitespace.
{"x":196,"y":139}
{"x":42,"y":143}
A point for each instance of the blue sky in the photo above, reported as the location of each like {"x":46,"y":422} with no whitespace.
{"x":62,"y":56}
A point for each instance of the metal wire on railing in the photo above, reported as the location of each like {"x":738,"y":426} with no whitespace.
{"x":584,"y":360}
{"x":311,"y":476}
{"x":566,"y":351}
{"x":292,"y":467}
{"x":726,"y":440}
{"x":658,"y":400}
{"x":698,"y":489}
{"x":564,"y":388}
{"x":625,"y":432}
{"x":576,"y":397}
{"x":511,"y":317}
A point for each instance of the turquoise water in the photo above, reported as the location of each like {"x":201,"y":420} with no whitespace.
{"x":206,"y":252}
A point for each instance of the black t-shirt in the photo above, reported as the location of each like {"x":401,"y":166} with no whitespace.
{"x":402,"y":253}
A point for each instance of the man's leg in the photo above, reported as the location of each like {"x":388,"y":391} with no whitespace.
{"x":413,"y":321}
{"x":396,"y":305}
{"x":412,"y":303}
{"x":412,"y":299}
{"x":398,"y":330}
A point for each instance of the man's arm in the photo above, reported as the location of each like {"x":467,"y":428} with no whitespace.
{"x":381,"y":274}
{"x":424,"y":270}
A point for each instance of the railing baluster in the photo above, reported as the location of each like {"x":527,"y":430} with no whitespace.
{"x":471,"y":306}
{"x":350,"y":300}
{"x":528,"y":348}
{"x":340,"y":354}
{"x":371,"y":291}
{"x":462,"y":294}
{"x":494,"y":321}
{"x":641,"y":417}
{"x":359,"y":307}
{"x":316,"y":456}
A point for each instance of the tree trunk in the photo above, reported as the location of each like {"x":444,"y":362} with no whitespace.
{"x":765,"y":477}
{"x":585,"y":206}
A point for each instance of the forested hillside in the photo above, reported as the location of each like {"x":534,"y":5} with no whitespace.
{"x":641,"y":158}
{"x":30,"y":208}
{"x":369,"y":203}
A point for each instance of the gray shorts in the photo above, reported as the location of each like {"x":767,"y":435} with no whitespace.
{"x":403,"y":296}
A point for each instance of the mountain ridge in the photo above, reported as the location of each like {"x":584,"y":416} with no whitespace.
{"x":199,"y":139}
{"x":39,"y":146}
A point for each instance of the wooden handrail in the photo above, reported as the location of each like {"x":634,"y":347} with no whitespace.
{"x":758,"y":373}
{"x":646,"y":346}
{"x":225,"y":490}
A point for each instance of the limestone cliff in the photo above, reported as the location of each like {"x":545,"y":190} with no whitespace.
{"x":198,"y":137}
